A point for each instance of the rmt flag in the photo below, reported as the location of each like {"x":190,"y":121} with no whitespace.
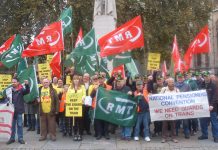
{"x":127,"y":37}
{"x":49,"y":40}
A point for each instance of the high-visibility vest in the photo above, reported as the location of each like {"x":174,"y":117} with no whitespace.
{"x":62,"y":103}
{"x":108,"y":87}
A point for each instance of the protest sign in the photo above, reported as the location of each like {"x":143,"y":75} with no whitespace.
{"x":73,"y":104}
{"x":5,"y":80}
{"x":6,"y":116}
{"x":49,"y":58}
{"x":153,"y":61}
{"x":181,"y":105}
{"x":44,"y":70}
{"x":68,"y":80}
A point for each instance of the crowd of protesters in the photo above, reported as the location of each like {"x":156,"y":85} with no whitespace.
{"x":47,"y":113}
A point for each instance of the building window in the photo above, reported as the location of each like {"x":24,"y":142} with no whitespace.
{"x":198,"y":63}
{"x":207,"y":60}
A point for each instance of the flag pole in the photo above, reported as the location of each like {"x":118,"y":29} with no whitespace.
{"x":93,"y":118}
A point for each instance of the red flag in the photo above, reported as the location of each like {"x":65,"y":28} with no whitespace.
{"x":175,"y":55}
{"x":55,"y":64}
{"x":126,"y":37}
{"x":7,"y":44}
{"x":179,"y":66}
{"x":175,"y":51}
{"x":164,"y":69}
{"x":201,"y":44}
{"x":79,"y":37}
{"x":118,"y":69}
{"x":49,"y":40}
{"x":188,"y":59}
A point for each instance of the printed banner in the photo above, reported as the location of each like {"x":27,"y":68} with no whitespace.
{"x":153,"y":61}
{"x":115,"y":107}
{"x":6,"y":116}
{"x":73,"y":105}
{"x":44,"y":70}
{"x":176,"y":106}
{"x":5,"y":80}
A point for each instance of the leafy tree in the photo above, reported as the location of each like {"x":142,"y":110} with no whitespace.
{"x":162,"y":19}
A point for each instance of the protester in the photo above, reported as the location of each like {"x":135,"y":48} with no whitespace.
{"x":86,"y":108}
{"x":143,"y":112}
{"x":121,"y":87}
{"x":18,"y":92}
{"x":49,"y":107}
{"x":77,"y":88}
{"x":212,"y":94}
{"x":157,"y":89}
{"x":166,"y":90}
{"x":62,"y":106}
{"x":183,"y":87}
{"x":101,"y":126}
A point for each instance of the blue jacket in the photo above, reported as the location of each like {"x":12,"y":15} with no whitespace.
{"x":183,"y":87}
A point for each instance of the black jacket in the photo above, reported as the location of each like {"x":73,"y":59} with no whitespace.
{"x":211,"y":94}
{"x":17,"y":98}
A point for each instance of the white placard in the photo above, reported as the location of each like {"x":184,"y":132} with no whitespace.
{"x":88,"y":101}
{"x":182,"y":105}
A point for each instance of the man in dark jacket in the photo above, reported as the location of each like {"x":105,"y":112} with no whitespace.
{"x":121,"y":87}
{"x":212,"y":100}
{"x":18,"y":92}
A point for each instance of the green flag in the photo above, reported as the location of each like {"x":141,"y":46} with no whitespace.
{"x":103,"y":67}
{"x":66,"y":17}
{"x":22,"y":65}
{"x":30,"y":75}
{"x":12,"y":56}
{"x":84,"y":56}
{"x":120,"y":59}
{"x":132,"y":68}
{"x":86,"y":64}
{"x":115,"y":107}
{"x":87,"y":46}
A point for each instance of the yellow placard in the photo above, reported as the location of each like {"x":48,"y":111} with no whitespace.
{"x":68,"y":80}
{"x":153,"y":61}
{"x":5,"y":81}
{"x":49,"y":58}
{"x":44,"y":70}
{"x":73,"y":104}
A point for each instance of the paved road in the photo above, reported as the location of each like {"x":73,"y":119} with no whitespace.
{"x":89,"y":142}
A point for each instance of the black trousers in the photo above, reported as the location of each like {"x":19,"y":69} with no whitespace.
{"x":87,"y":120}
{"x":157,"y":126}
{"x":78,"y":125}
{"x":31,"y":121}
{"x":68,"y":125}
{"x":101,"y":127}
